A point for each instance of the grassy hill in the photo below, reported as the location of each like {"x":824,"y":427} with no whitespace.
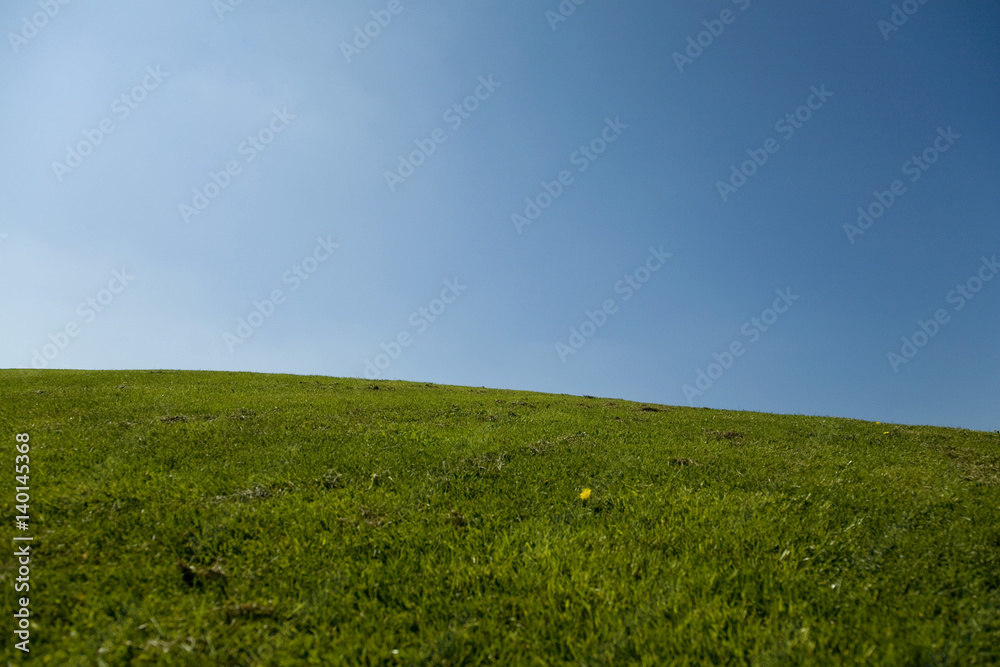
{"x":189,"y":518}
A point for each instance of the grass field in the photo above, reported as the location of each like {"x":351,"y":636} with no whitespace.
{"x":198,"y":518}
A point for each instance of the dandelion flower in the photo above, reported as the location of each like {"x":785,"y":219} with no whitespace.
{"x":585,"y":494}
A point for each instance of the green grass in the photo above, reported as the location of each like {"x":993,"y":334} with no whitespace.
{"x":189,"y":518}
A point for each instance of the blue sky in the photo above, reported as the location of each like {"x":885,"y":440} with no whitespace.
{"x":174,"y":168}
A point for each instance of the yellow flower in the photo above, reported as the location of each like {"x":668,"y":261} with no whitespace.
{"x":885,"y":433}
{"x":585,"y":494}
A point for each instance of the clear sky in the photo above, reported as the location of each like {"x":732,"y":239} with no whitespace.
{"x":654,"y":201}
